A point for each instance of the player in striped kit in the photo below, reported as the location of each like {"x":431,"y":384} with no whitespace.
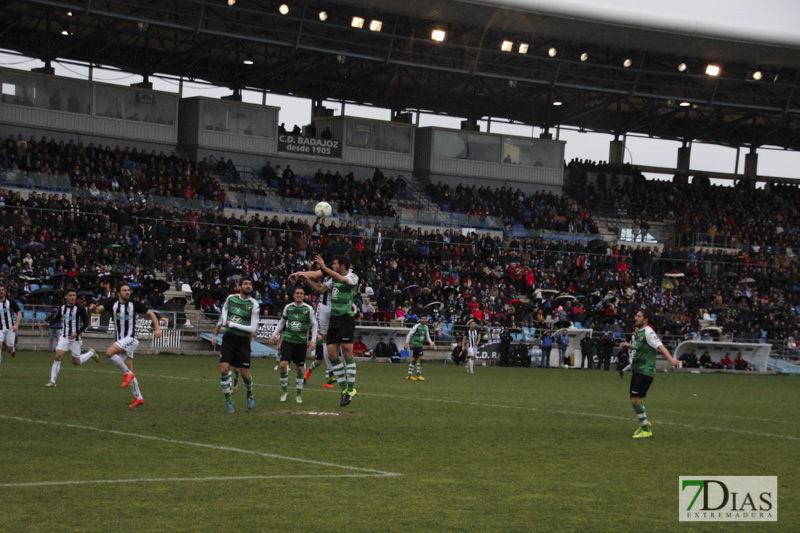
{"x":299,"y":327}
{"x":470,"y":345}
{"x":74,"y":321}
{"x":123,"y":313}
{"x":10,"y":315}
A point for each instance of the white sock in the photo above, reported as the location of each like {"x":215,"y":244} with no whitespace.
{"x":86,"y":356}
{"x":54,"y":371}
{"x":120,"y":362}
{"x":135,"y":389}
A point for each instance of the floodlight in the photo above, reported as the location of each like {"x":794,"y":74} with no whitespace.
{"x":627,"y":63}
{"x":712,"y":70}
{"x":323,"y":16}
{"x":558,"y":102}
{"x":523,"y":48}
{"x":438,"y":35}
{"x":584,"y":56}
{"x":357,"y":22}
{"x":757,"y":75}
{"x":684,"y":104}
{"x":507,"y":46}
{"x":552,"y":52}
{"x":375,"y":25}
{"x":682,"y":67}
{"x":284,"y":9}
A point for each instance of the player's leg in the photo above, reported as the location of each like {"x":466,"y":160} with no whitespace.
{"x":299,"y":361}
{"x":319,"y":355}
{"x":419,"y":366}
{"x":138,"y":399}
{"x":350,"y":366}
{"x":225,"y":359}
{"x":79,"y":358}
{"x":243,"y":360}
{"x":410,"y":373}
{"x":237,"y":372}
{"x":116,"y":354}
{"x":55,"y":368}
{"x":638,"y":391}
{"x":286,"y":357}
{"x":11,"y":342}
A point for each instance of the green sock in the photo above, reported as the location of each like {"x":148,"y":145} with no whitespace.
{"x":312,"y":366}
{"x":248,"y":384}
{"x":225,"y":383}
{"x":641,"y":415}
{"x":411,"y":369}
{"x":350,"y":367}
{"x":285,"y":381}
{"x":300,"y":380}
{"x":338,"y":371}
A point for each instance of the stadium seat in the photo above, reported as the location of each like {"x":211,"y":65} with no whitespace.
{"x":404,"y":354}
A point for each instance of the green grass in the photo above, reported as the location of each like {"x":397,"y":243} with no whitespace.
{"x":505,"y":449}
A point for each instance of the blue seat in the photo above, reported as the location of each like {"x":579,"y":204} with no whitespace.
{"x":404,"y":354}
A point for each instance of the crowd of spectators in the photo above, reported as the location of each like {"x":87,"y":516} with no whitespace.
{"x":407,"y":273}
{"x":541,"y":210}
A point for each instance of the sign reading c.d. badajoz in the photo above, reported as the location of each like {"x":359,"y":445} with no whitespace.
{"x":297,"y":144}
{"x":728,"y":498}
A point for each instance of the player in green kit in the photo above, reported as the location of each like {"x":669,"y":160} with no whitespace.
{"x":415,"y":338}
{"x":297,"y":319}
{"x":645,"y":348}
{"x":342,"y":285}
{"x":240,"y":318}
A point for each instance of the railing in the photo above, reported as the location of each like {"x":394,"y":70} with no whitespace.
{"x":25,"y":180}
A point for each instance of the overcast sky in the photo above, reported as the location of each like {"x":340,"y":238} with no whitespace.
{"x":766,"y":20}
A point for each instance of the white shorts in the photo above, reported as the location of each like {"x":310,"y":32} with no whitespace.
{"x":472,"y":351}
{"x":8,"y":337}
{"x":129,"y":344}
{"x":67,"y":345}
{"x":323,"y":321}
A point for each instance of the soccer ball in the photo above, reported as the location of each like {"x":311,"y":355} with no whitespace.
{"x":323,"y":210}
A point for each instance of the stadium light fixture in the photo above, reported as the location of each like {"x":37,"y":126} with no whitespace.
{"x":584,"y":56}
{"x":64,"y":32}
{"x":323,"y":16}
{"x":558,"y":102}
{"x":69,"y":13}
{"x":757,"y":75}
{"x":284,"y":9}
{"x":552,"y":52}
{"x":438,"y":35}
{"x":682,"y":67}
{"x":507,"y":46}
{"x":248,"y":60}
{"x":375,"y":25}
{"x":684,"y":104}
{"x":627,"y":63}
{"x":357,"y":22}
{"x":713,"y":70}
{"x":523,"y":48}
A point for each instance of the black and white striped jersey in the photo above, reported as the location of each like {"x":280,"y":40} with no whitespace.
{"x":8,"y":313}
{"x":473,"y":335}
{"x":73,"y":320}
{"x":124,"y":316}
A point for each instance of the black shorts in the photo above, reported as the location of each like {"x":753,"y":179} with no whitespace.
{"x":294,"y":353}
{"x":341,"y":329}
{"x":235,"y":350}
{"x":320,"y":352}
{"x":417,"y":352}
{"x":640,"y":384}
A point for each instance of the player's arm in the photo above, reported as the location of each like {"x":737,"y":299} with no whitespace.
{"x":156,"y":326}
{"x":51,"y":319}
{"x":428,"y":336}
{"x":410,"y":336}
{"x":312,"y":339}
{"x":281,"y":324}
{"x":315,"y":274}
{"x":332,"y":273}
{"x":223,"y":315}
{"x":655,"y":342}
{"x":15,"y":308}
{"x":216,"y":332}
{"x":83,"y":321}
{"x":316,"y":286}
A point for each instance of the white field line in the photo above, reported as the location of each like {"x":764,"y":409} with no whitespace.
{"x":199,"y":445}
{"x":182,"y":479}
{"x":524,"y":408}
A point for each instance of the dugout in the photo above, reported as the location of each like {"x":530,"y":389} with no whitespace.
{"x":755,"y":354}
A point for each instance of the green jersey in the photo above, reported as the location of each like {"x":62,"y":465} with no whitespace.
{"x":417,"y":336}
{"x":342,"y":294}
{"x":645,"y":346}
{"x":242,"y":313}
{"x":297,"y":319}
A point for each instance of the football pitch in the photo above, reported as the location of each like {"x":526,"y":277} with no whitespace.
{"x":505,"y":449}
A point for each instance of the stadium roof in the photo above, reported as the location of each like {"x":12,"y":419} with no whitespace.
{"x":467,"y":75}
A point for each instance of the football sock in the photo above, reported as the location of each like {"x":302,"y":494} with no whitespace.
{"x":236,"y":375}
{"x":285,"y":381}
{"x":338,"y":371}
{"x":350,"y":364}
{"x":300,"y":381}
{"x":54,"y":371}
{"x":117,"y":360}
{"x":248,"y":384}
{"x":640,"y":414}
{"x":135,"y":389}
{"x":419,"y":368}
{"x":312,"y":366}
{"x":86,"y":356}
{"x":225,"y":383}
{"x":410,"y":368}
